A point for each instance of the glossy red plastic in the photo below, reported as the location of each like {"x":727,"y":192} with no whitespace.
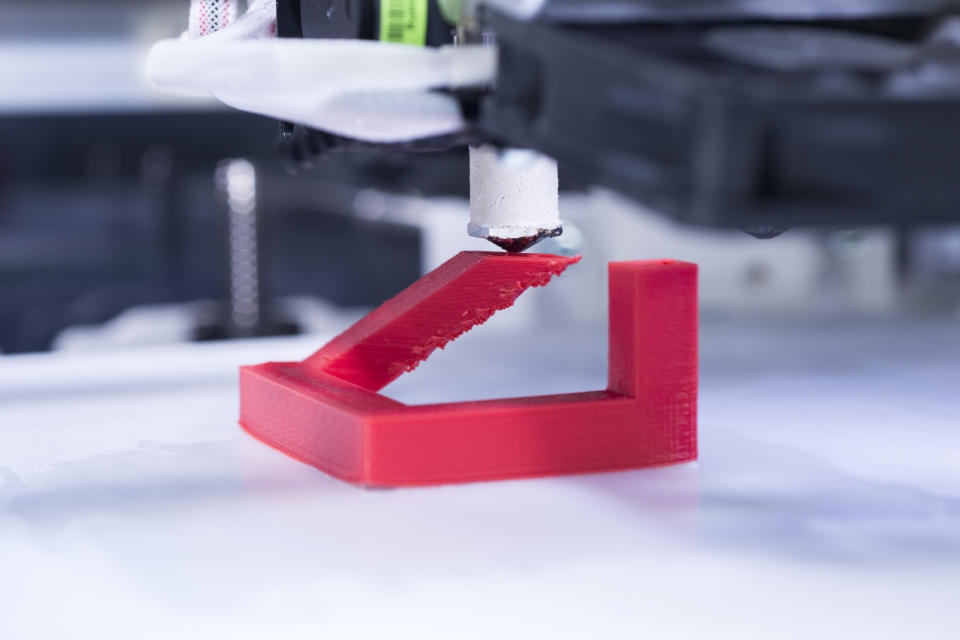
{"x":325,"y":411}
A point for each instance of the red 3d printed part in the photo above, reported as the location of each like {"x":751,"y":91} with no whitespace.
{"x":326,"y":410}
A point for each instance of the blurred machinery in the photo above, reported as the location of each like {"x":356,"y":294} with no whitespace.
{"x":109,"y":198}
{"x":763,"y":115}
{"x":837,"y":119}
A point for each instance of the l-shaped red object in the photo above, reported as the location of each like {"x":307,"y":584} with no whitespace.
{"x":326,"y":410}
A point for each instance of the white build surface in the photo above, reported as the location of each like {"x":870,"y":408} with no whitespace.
{"x":514,"y":193}
{"x":826,"y":503}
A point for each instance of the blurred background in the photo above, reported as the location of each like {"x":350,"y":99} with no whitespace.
{"x":128,"y":216}
{"x":135,"y":225}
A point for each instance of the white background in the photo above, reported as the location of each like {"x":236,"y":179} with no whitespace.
{"x":826,"y":502}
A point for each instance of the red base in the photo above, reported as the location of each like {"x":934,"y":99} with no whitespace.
{"x":647,"y":417}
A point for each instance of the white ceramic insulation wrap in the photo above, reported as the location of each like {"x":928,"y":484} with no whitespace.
{"x":364,"y":89}
{"x":513,"y":193}
{"x":368,"y":90}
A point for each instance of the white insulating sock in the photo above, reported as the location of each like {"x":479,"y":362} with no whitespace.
{"x":513,"y":194}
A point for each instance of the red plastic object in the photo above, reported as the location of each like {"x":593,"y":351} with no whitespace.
{"x":325,"y":410}
{"x":444,"y":304}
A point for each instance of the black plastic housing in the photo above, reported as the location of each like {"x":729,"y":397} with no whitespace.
{"x":646,"y":110}
{"x":353,"y":19}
